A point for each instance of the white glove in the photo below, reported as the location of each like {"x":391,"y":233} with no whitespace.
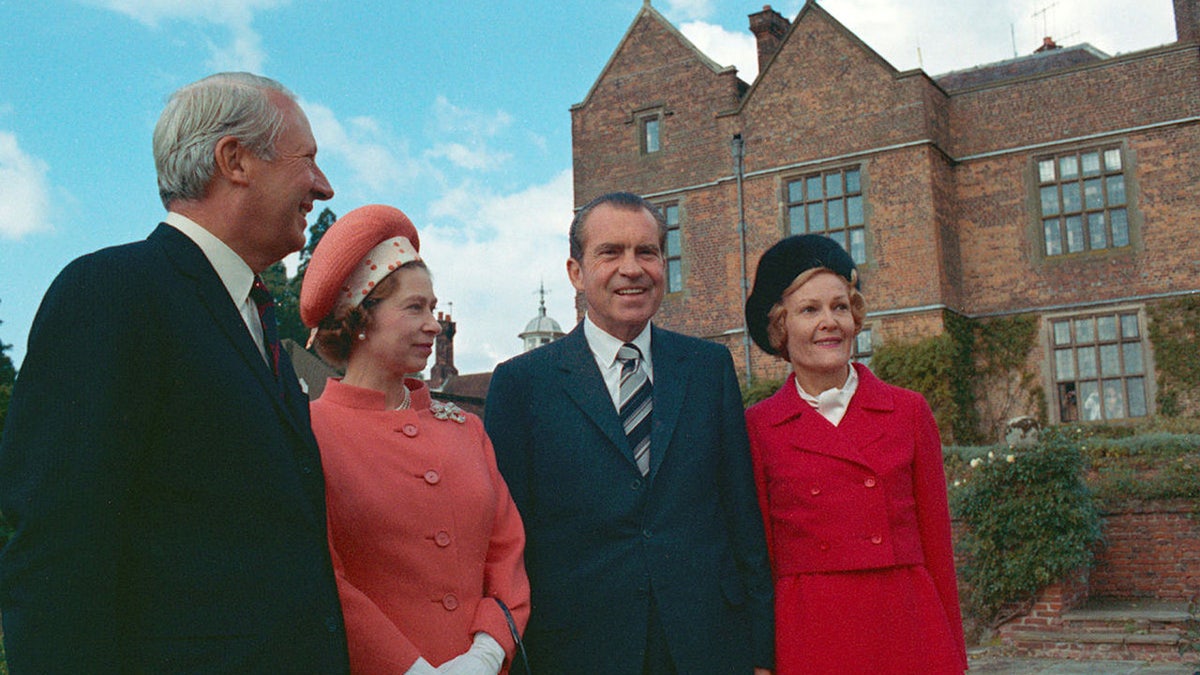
{"x":422,"y":667}
{"x":483,"y":658}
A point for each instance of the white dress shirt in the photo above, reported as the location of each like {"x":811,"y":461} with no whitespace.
{"x":235,"y":274}
{"x":604,"y":347}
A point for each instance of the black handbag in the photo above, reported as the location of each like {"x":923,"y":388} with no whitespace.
{"x":516,"y":636}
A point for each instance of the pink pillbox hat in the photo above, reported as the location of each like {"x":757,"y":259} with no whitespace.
{"x":357,"y":251}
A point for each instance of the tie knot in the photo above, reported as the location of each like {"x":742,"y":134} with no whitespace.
{"x":629,"y":352}
{"x":260,"y":294}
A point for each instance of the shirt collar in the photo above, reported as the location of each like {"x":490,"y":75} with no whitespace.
{"x":832,"y":403}
{"x":604,"y":346}
{"x":235,"y":274}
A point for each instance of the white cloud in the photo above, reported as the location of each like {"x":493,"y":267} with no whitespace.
{"x":689,"y":9}
{"x":489,"y":262}
{"x":244,"y":51}
{"x":728,"y":48}
{"x":221,"y":12}
{"x":474,"y":159}
{"x":471,"y":131}
{"x":24,"y":190}
{"x":454,"y":119}
{"x":377,"y":162}
{"x":940,"y":36}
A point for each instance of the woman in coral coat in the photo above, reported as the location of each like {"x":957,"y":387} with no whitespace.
{"x":427,"y":543}
{"x":850,"y":482}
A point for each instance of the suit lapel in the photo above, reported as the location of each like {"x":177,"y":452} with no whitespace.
{"x":193,"y":265}
{"x":584,"y":384}
{"x":671,"y":376}
{"x":804,"y":429}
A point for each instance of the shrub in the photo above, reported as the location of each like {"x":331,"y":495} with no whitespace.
{"x":760,"y":390}
{"x":1028,"y":521}
{"x":1148,"y":466}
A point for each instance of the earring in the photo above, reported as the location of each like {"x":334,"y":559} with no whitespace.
{"x":362,"y":336}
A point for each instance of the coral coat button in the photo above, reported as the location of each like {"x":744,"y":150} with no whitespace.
{"x":450,"y":602}
{"x":432,"y":477}
{"x":409,"y":430}
{"x":442,"y":539}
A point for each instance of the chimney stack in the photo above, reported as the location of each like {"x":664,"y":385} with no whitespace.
{"x":1187,"y":21}
{"x":443,"y":353}
{"x":1048,"y":44}
{"x":769,"y":27}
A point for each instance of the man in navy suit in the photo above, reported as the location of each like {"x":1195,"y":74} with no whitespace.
{"x":157,"y":462}
{"x":640,"y":564}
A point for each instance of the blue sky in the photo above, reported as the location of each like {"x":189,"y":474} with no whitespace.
{"x":455,"y":112}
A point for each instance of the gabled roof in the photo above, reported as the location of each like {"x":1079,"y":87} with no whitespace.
{"x":811,"y":7}
{"x":469,"y":392}
{"x":1022,"y":66}
{"x":648,"y":13}
{"x":311,"y":370}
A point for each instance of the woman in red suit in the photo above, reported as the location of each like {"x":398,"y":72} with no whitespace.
{"x":850,"y":482}
{"x":427,"y":543}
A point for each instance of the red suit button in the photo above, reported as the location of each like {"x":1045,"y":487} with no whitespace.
{"x":442,"y":538}
{"x":432,"y":477}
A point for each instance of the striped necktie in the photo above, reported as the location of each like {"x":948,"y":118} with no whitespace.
{"x":265,"y":302}
{"x":636,"y":403}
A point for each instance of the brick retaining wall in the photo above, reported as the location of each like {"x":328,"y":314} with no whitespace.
{"x":1151,"y":549}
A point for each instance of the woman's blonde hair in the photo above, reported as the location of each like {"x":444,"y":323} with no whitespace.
{"x":777,"y":315}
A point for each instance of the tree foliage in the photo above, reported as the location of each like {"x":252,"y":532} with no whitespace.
{"x":287,"y":289}
{"x":8,"y":377}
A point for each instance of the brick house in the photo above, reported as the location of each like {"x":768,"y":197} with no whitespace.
{"x":1064,"y":185}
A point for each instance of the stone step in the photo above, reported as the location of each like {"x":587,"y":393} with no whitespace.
{"x":1109,"y":628}
{"x":1089,"y":637}
{"x":1086,"y":646}
{"x":1105,"y":615}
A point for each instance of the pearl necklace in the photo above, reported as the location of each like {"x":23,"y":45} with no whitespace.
{"x":404,"y":405}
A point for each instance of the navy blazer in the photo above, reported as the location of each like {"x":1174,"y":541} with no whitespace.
{"x":602,"y":541}
{"x":166,"y":490}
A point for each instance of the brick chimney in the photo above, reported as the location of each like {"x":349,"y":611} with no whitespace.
{"x":769,"y":27}
{"x":1187,"y":21}
{"x":443,"y":353}
{"x":1048,"y":44}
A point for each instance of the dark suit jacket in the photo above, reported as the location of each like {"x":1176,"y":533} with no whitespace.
{"x":602,"y":541}
{"x":167,"y":493}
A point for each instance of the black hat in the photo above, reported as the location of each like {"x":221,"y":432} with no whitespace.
{"x":779,"y":267}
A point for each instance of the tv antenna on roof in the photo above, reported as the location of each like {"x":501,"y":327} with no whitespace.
{"x":1044,"y":12}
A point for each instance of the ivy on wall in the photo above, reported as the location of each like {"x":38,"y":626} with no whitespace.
{"x":973,"y":361}
{"x":1002,"y":347}
{"x":928,"y":366}
{"x":1174,"y":328}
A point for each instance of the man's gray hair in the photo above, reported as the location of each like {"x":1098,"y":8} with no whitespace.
{"x":202,"y":113}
